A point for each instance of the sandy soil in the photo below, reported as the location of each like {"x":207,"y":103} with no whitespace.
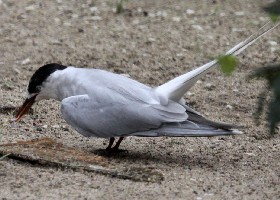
{"x":152,"y":41}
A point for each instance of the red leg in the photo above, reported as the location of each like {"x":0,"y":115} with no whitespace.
{"x":111,"y":142}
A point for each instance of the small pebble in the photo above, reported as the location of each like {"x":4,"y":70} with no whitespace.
{"x":272,"y":43}
{"x":161,"y":14}
{"x":210,"y":86}
{"x":30,"y":8}
{"x":179,"y":54}
{"x":190,"y":11}
{"x":75,"y":16}
{"x":45,"y":126}
{"x":239,"y":13}
{"x":235,"y":90}
{"x":25,"y":61}
{"x":190,"y":93}
{"x":66,"y":24}
{"x":56,"y":126}
{"x":96,"y":18}
{"x":272,"y":49}
{"x":229,"y":107}
{"x":152,"y":15}
{"x":197,"y":27}
{"x":135,"y":22}
{"x":250,"y":154}
{"x":237,"y":30}
{"x":151,"y":39}
{"x":56,"y":20}
{"x":16,"y":70}
{"x":93,"y":9}
{"x":126,"y":75}
{"x":176,"y":19}
{"x":65,"y":128}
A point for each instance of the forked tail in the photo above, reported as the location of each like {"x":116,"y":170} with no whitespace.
{"x":177,"y":87}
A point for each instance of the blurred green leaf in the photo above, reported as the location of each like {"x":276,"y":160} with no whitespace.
{"x":227,"y":63}
{"x":120,"y":6}
{"x":273,"y":9}
{"x":260,"y":106}
{"x":272,"y":74}
{"x":274,"y":17}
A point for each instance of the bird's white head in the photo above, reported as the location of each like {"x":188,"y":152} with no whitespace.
{"x":39,"y":87}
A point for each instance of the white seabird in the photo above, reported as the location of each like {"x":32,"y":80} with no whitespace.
{"x":103,"y":104}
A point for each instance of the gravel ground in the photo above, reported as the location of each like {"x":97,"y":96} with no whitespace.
{"x":152,"y":41}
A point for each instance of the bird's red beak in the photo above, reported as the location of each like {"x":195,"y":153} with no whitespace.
{"x":25,"y":107}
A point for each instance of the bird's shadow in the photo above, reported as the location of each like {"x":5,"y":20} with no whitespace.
{"x":190,"y":160}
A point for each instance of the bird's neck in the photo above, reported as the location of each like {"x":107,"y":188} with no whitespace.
{"x":64,"y":83}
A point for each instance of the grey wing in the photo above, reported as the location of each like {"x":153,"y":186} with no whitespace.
{"x":116,"y":119}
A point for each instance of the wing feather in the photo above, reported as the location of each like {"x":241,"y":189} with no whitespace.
{"x":99,"y":119}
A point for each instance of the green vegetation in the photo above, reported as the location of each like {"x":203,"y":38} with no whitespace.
{"x":120,"y":6}
{"x":228,"y":64}
{"x":270,"y":72}
{"x":273,"y":9}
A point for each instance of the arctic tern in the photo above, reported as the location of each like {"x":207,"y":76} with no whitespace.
{"x":103,"y":104}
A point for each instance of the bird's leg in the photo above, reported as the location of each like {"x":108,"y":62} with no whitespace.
{"x":116,"y":147}
{"x":111,"y":142}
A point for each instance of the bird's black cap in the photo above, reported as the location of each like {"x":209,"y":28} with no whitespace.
{"x":41,"y":75}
